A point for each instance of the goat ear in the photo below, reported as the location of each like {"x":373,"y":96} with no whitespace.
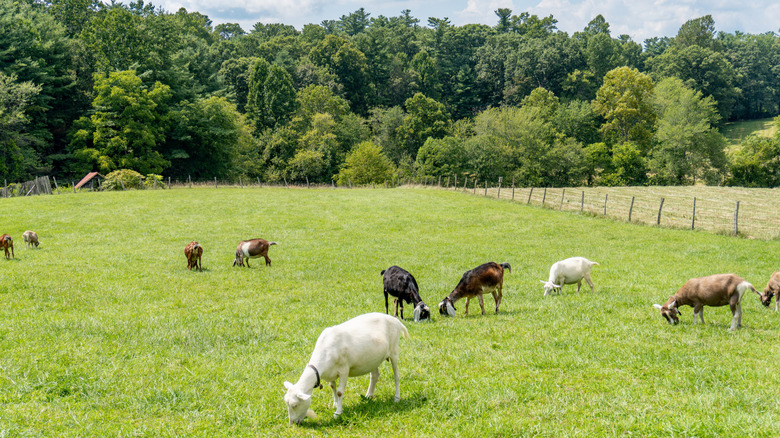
{"x":450,"y":309}
{"x":673,"y":305}
{"x":555,"y":285}
{"x":311,"y":414}
{"x":288,"y":385}
{"x":543,"y":282}
{"x":416,"y":313}
{"x":304,"y":396}
{"x":658,"y":306}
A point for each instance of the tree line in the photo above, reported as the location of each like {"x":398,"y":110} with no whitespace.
{"x":87,"y":86}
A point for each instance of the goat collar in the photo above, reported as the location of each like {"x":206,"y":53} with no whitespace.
{"x":316,"y":373}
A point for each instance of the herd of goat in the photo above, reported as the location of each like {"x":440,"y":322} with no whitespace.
{"x":360,"y":345}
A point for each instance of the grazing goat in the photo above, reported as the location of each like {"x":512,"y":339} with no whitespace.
{"x":252,"y":249}
{"x":30,"y":239}
{"x":7,"y":243}
{"x":569,"y":271}
{"x":193,"y":251}
{"x":484,"y":278}
{"x":772,"y":289}
{"x":402,"y":285}
{"x":353,"y":348}
{"x":715,"y":290}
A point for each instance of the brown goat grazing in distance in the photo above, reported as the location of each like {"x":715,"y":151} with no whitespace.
{"x":772,"y":289}
{"x":7,"y":243}
{"x":30,"y":238}
{"x":715,"y":290}
{"x":193,"y":251}
{"x":484,"y":278}
{"x":252,"y":249}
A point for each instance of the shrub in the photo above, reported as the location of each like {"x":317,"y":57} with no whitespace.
{"x":151,"y":178}
{"x":123,"y":179}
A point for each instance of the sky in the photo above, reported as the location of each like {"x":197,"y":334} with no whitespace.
{"x":639,"y":19}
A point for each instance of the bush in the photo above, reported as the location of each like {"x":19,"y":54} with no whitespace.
{"x":151,"y":178}
{"x":123,"y":179}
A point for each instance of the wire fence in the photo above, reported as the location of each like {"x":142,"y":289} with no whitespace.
{"x":737,"y":211}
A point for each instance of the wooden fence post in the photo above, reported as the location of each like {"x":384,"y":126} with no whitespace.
{"x":513,"y":190}
{"x":448,"y":181}
{"x":350,"y":182}
{"x":55,"y":185}
{"x":563,"y":193}
{"x":693,"y":215}
{"x":658,"y":222}
{"x":258,"y":182}
{"x":582,"y":202}
{"x":485,"y":187}
{"x":631,"y":209}
{"x":240,"y":182}
{"x":72,"y":184}
{"x":307,"y":182}
{"x":169,"y":183}
{"x":122,"y":183}
{"x":500,"y":178}
{"x":215,"y":182}
{"x":605,"y":203}
{"x":155,"y":182}
{"x":475,"y":187}
{"x":530,"y":194}
{"x":465,"y":183}
{"x":736,"y":219}
{"x":544,"y":196}
{"x":189,"y":180}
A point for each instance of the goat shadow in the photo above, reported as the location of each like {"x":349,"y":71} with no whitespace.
{"x":366,"y":408}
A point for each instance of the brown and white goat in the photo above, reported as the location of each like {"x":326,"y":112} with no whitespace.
{"x":252,"y":249}
{"x":488,"y":277}
{"x":772,"y":289}
{"x":30,"y":239}
{"x":7,"y":243}
{"x":714,"y":290}
{"x":193,"y":251}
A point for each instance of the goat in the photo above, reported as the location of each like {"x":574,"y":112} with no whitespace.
{"x":7,"y":243}
{"x":402,"y":285}
{"x":714,"y":290}
{"x":569,"y":271}
{"x":193,"y":251}
{"x":30,"y":238}
{"x":772,"y":289}
{"x":252,"y":249}
{"x":353,"y":348}
{"x":488,"y":277}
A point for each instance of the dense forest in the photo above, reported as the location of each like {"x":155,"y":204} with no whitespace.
{"x":86,"y":86}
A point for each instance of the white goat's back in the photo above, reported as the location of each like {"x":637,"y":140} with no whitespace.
{"x":361,"y":343}
{"x":570,"y":271}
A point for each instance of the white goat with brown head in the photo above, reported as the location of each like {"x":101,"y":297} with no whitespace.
{"x":30,"y":238}
{"x":252,"y":249}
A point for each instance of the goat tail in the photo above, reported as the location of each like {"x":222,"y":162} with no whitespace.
{"x":594,"y":264}
{"x":507,"y":267}
{"x":404,"y":331}
{"x":383,"y":272}
{"x":272,"y":243}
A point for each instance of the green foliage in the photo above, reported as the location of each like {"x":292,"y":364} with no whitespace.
{"x":424,"y":118}
{"x":446,"y":156}
{"x":15,"y":98}
{"x":625,"y":102}
{"x":757,"y":162}
{"x":366,"y":164}
{"x":151,"y":181}
{"x":126,"y":127}
{"x":123,"y":179}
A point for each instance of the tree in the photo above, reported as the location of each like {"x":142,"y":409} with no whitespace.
{"x":15,"y":97}
{"x":127,"y":124}
{"x":235,"y":73}
{"x":255,"y":102}
{"x":625,"y":102}
{"x":757,"y":162}
{"x":424,"y":118}
{"x":698,"y":32}
{"x":445,"y":156}
{"x":366,"y":164}
{"x":687,"y":145}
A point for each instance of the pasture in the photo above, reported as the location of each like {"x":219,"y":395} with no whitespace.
{"x":104,"y":332}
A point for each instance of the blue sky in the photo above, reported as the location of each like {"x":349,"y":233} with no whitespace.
{"x":639,"y":19}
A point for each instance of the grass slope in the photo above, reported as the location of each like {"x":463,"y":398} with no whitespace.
{"x":105,"y":333}
{"x":736,"y":132}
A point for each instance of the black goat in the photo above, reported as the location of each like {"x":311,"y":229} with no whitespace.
{"x":402,"y":285}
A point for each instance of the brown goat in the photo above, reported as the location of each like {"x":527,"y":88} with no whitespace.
{"x":714,"y":290}
{"x":772,"y":289}
{"x":30,"y":239}
{"x":488,"y":277}
{"x":7,"y":243}
{"x":251,"y":249}
{"x":193,"y":251}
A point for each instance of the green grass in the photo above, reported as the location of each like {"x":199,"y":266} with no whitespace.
{"x":104,"y":332}
{"x":736,"y":132}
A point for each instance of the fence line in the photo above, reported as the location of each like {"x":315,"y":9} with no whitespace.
{"x":740,"y":211}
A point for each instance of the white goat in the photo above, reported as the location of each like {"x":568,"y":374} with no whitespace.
{"x":353,"y":348}
{"x":569,"y":271}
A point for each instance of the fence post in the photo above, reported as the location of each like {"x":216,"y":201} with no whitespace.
{"x":736,"y":219}
{"x":55,"y":185}
{"x":485,"y":187}
{"x":658,"y":222}
{"x":5,"y":187}
{"x":122,"y":183}
{"x":563,"y":193}
{"x":605,"y":203}
{"x":258,"y":182}
{"x":513,"y":190}
{"x":693,"y":215}
{"x":582,"y":202}
{"x":72,"y":184}
{"x":475,"y":186}
{"x":465,"y":183}
{"x":500,"y":179}
{"x":189,"y":181}
{"x":631,"y":209}
{"x":350,"y":183}
{"x":333,"y":183}
{"x":215,"y":182}
{"x":544,"y":196}
{"x":169,"y":183}
{"x":530,"y":194}
{"x":240,"y":182}
{"x":307,"y":182}
{"x":155,"y":182}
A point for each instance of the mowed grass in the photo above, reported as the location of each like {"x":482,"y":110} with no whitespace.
{"x":736,"y":132}
{"x":104,"y":332}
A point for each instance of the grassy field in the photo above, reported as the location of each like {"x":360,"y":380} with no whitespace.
{"x":735,"y":132}
{"x":104,"y":332}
